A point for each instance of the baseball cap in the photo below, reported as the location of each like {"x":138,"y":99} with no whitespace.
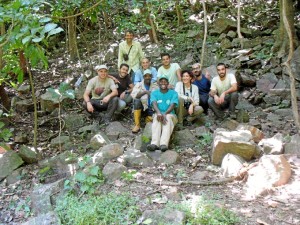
{"x":147,"y":71}
{"x":163,"y":77}
{"x":99,"y":67}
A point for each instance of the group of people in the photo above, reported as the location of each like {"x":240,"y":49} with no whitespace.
{"x":165,"y":97}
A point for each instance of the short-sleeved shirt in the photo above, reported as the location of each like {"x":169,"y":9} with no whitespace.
{"x":170,"y":73}
{"x":222,"y":85}
{"x":124,"y":83}
{"x":108,"y":85}
{"x":203,"y":85}
{"x":139,"y":75}
{"x":164,"y":100}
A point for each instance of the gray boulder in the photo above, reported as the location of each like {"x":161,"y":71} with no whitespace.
{"x":106,"y":153}
{"x":9,"y":161}
{"x":164,"y":216}
{"x":135,"y":158}
{"x":169,"y":157}
{"x":98,"y":140}
{"x":113,"y":171}
{"x":29,"y":155}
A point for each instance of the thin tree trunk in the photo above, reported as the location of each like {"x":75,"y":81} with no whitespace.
{"x":288,"y":26}
{"x":34,"y":104}
{"x":72,"y":41}
{"x":205,"y":33}
{"x":180,"y":19}
{"x":153,"y":29}
{"x":239,"y":24}
{"x":3,"y":95}
{"x":151,"y":32}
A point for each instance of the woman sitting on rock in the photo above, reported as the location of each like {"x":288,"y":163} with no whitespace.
{"x":188,"y":99}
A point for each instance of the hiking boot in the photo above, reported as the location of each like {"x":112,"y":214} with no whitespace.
{"x":163,"y":148}
{"x":152,"y":147}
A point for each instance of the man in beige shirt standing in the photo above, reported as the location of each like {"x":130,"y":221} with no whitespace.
{"x":131,"y":53}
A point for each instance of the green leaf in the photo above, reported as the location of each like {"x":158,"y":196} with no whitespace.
{"x":69,"y":94}
{"x":38,"y":39}
{"x":94,"y":170}
{"x":55,"y":93}
{"x":50,"y":26}
{"x":81,"y":164}
{"x":84,"y":188}
{"x":45,"y":20}
{"x":80,"y":176}
{"x":1,"y":125}
{"x":20,"y":77}
{"x":26,"y":39}
{"x":55,"y":31}
{"x":147,"y":221}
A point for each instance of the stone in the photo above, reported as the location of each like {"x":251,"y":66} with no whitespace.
{"x":293,"y":147}
{"x":236,"y":142}
{"x":201,"y":175}
{"x":187,"y":61}
{"x":251,"y":43}
{"x":283,"y":93}
{"x":173,"y":194}
{"x":245,"y":105}
{"x":295,"y":63}
{"x":29,"y":155}
{"x":257,"y":134}
{"x":193,"y":33}
{"x":134,"y":158}
{"x":41,"y":196}
{"x":232,"y":34}
{"x":201,"y":131}
{"x":266,"y":82}
{"x":229,"y":124}
{"x":99,"y":140}
{"x":106,"y":153}
{"x":273,"y":146}
{"x":80,"y":91}
{"x":271,"y":171}
{"x":23,"y":89}
{"x":138,"y":143}
{"x":225,"y":44}
{"x":223,"y":25}
{"x":60,"y":140}
{"x":231,"y":165}
{"x":164,"y":216}
{"x":169,"y":157}
{"x":242,"y":116}
{"x":48,"y":102}
{"x":49,"y":218}
{"x":287,"y":114}
{"x":272,"y":100}
{"x":89,"y":128}
{"x":114,"y":129}
{"x":24,"y":105}
{"x":188,"y":140}
{"x":74,"y":121}
{"x":21,"y":138}
{"x":248,"y":81}
{"x":113,"y":171}
{"x":15,"y":176}
{"x":9,"y":161}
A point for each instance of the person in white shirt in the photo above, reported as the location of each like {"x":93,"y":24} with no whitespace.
{"x":171,"y":70}
{"x":223,"y":92}
{"x":188,"y":99}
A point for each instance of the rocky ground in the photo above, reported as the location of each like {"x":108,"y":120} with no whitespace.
{"x":180,"y":174}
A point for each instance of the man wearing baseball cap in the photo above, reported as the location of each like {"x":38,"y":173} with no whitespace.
{"x":104,"y":94}
{"x":141,"y":100}
{"x":163,"y":101}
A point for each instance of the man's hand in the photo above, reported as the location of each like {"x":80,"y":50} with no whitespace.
{"x":122,"y":96}
{"x":217,"y":99}
{"x":90,"y":107}
{"x":222,"y":98}
{"x":106,"y":99}
{"x":160,"y":117}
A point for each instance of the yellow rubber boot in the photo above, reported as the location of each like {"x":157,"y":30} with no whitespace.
{"x":148,"y":119}
{"x":137,"y":120}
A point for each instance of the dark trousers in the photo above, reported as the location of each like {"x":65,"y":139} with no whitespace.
{"x":230,"y":102}
{"x":204,"y":102}
{"x":100,"y":106}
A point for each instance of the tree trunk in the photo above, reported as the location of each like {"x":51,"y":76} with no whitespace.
{"x":72,"y":41}
{"x":180,"y":19}
{"x":151,"y":32}
{"x":22,"y":63}
{"x":281,"y":45}
{"x":288,"y":27}
{"x":3,"y":95}
{"x":205,"y":34}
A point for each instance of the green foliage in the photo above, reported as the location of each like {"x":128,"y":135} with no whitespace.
{"x":101,"y":210}
{"x":64,"y":91}
{"x":5,"y":133}
{"x":145,"y":139}
{"x":25,"y":207}
{"x":87,"y":179}
{"x":44,"y":173}
{"x":205,"y":140}
{"x":202,"y":211}
{"x":128,"y":176}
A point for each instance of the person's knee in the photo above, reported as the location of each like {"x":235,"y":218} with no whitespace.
{"x":234,"y":96}
{"x":210,"y":101}
{"x":137,"y":104}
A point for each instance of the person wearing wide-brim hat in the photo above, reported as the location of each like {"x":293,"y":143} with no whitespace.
{"x":141,"y":100}
{"x":104,"y":94}
{"x":163,"y":101}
